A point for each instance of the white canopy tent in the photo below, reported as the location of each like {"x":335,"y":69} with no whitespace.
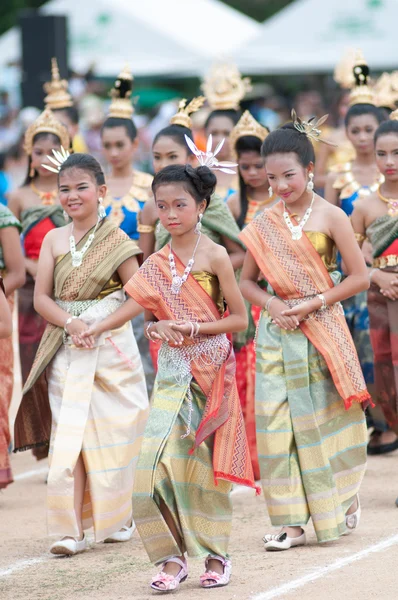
{"x":157,"y":37}
{"x":311,"y":36}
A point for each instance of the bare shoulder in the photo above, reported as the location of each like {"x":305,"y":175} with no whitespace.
{"x":335,"y":213}
{"x":217,"y":253}
{"x":331,"y":177}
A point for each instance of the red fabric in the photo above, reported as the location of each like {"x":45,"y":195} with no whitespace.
{"x":391,"y":250}
{"x":35,"y":236}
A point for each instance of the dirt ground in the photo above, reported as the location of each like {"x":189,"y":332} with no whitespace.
{"x":360,"y":566}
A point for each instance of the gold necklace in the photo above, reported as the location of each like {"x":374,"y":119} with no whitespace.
{"x":47,"y":198}
{"x":391,"y":202}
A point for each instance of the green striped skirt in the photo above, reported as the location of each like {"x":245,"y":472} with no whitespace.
{"x":312,"y":451}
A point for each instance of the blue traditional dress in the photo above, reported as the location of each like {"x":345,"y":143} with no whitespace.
{"x":124,"y":211}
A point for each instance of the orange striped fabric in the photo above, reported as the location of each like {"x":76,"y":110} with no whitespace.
{"x":294,"y":269}
{"x":151,"y":287}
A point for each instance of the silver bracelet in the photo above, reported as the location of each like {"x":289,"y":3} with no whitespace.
{"x":371,"y":273}
{"x":147,"y":328}
{"x":269,"y":303}
{"x":323,"y":300}
{"x":68,"y":322}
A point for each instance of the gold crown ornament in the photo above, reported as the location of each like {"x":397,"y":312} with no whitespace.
{"x":310,"y":128}
{"x":384,"y":91}
{"x":224,"y":87}
{"x":58,"y":96}
{"x":362,"y":93}
{"x":182,"y":117}
{"x":46,"y":123}
{"x":121,"y":105}
{"x":343,"y":72}
{"x":247,"y":125}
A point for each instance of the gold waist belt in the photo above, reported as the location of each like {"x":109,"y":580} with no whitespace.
{"x":391,"y":260}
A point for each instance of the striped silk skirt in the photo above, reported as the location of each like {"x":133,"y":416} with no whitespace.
{"x":312,"y":451}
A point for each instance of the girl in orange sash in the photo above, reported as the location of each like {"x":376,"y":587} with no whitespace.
{"x":195,"y":444}
{"x":311,"y":432}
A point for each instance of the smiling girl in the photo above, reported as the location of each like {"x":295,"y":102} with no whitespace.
{"x":194,"y":444}
{"x":311,"y":432}
{"x":86,"y":395}
{"x":376,"y":217}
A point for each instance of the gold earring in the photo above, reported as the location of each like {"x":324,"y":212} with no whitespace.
{"x":31,"y":171}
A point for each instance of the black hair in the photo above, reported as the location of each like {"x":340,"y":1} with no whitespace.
{"x":246,"y":143}
{"x":71,"y":111}
{"x":357,"y":110}
{"x":288,"y":139}
{"x":199,"y":182}
{"x":84,"y":162}
{"x":43,"y":135}
{"x":385,"y":128}
{"x":128,"y":124}
{"x":176,"y":133}
{"x":230,"y":113}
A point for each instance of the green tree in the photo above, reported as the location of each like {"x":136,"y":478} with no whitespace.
{"x":10,"y":9}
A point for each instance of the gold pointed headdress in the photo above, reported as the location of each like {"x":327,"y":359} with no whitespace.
{"x":247,"y":125}
{"x":121,"y":105}
{"x":361,"y":93}
{"x":46,"y":123}
{"x":58,"y":96}
{"x":343,"y":72}
{"x":384,"y":91}
{"x":224,"y":87}
{"x":182,"y":117}
{"x":310,"y":128}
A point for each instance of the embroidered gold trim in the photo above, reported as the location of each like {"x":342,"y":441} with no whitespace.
{"x":391,"y":260}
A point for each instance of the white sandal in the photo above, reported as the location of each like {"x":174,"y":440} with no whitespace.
{"x":352,"y":520}
{"x":217,"y":579}
{"x":123,"y":535}
{"x":169,"y":582}
{"x":282,"y":541}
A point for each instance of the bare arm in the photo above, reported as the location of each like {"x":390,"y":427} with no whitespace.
{"x":13,"y":259}
{"x":43,"y":294}
{"x":257,"y":296}
{"x":235,"y":251}
{"x":5,"y":317}
{"x":331,"y":195}
{"x":148,"y":217}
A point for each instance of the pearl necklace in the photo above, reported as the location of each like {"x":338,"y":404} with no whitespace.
{"x":297,"y":230}
{"x":178,"y":281}
{"x":78,"y":255}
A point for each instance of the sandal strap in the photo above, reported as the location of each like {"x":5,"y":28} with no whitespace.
{"x":176,"y":560}
{"x":221,"y":559}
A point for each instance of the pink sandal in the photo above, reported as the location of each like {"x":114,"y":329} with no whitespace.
{"x":217,"y":579}
{"x":167,"y":582}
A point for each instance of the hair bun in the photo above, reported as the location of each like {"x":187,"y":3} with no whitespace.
{"x":203,"y":179}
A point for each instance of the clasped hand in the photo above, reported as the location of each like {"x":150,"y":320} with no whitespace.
{"x":171,"y":332}
{"x":289,"y":318}
{"x":83,"y":335}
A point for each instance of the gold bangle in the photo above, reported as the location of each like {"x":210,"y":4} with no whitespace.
{"x":360,"y":237}
{"x":145,"y":228}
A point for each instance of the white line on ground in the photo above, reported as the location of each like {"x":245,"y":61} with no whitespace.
{"x":322,"y":571}
{"x":32,"y":473}
{"x":21,"y":565}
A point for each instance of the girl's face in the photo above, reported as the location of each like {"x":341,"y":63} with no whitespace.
{"x":360,"y":132}
{"x":79,"y":193}
{"x":117,"y":147}
{"x":252,"y":168}
{"x":166,"y":151}
{"x":287,"y":176}
{"x":387,"y":155}
{"x":40,"y":150}
{"x":178,"y":211}
{"x":220,"y":128}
